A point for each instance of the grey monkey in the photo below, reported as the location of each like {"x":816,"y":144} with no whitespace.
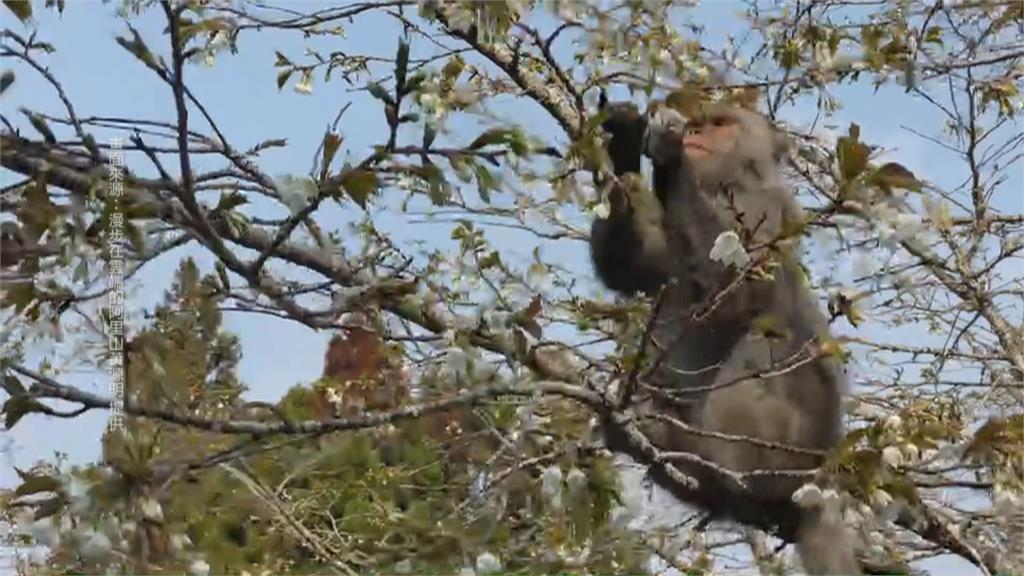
{"x":736,"y":355}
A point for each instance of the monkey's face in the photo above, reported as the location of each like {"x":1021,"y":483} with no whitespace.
{"x":724,"y":144}
{"x":709,"y":141}
{"x":710,"y":136}
{"x":725,"y":141}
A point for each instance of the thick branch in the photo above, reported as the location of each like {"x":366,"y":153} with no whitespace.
{"x":45,"y":387}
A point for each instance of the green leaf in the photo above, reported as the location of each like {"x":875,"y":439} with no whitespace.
{"x":283,"y":76}
{"x":12,"y":385}
{"x":39,"y":123}
{"x":90,"y":143}
{"x":429,"y":133}
{"x":45,"y":47}
{"x":527,"y":318}
{"x":401,"y":64}
{"x":230,"y":201}
{"x":20,"y":295}
{"x":34,"y":484}
{"x":491,"y":136}
{"x":770,"y":326}
{"x":893,"y":175}
{"x":462,"y":165}
{"x":18,"y":406}
{"x":834,"y":349}
{"x":451,"y":72}
{"x":788,"y":54}
{"x":21,"y":8}
{"x":903,"y":487}
{"x":188,"y":29}
{"x":282,"y":60}
{"x":222,"y":273}
{"x":997,"y":436}
{"x":331,"y":143}
{"x":6,"y":79}
{"x":485,"y":181}
{"x":438,"y":188}
{"x":137,"y":46}
{"x":237,"y":223}
{"x":490,"y":260}
{"x":870,"y":38}
{"x":359,"y":185}
{"x":852,"y":154}
{"x":413,"y":83}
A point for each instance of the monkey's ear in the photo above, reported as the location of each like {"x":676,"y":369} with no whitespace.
{"x":665,"y":117}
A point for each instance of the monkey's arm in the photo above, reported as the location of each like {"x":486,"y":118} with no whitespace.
{"x":627,"y":247}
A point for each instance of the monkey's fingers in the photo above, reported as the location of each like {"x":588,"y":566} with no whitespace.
{"x":665,"y":131}
{"x":666,"y":118}
{"x":618,"y":199}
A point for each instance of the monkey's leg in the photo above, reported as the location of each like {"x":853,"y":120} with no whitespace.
{"x":745,"y":405}
{"x":763,"y":409}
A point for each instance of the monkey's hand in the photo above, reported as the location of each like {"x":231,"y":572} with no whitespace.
{"x":617,"y":199}
{"x":664,"y":139}
{"x":643,"y":203}
{"x":626,"y":193}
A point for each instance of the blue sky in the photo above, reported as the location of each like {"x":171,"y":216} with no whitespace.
{"x":102,"y":79}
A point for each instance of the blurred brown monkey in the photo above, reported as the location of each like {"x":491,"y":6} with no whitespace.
{"x":359,"y":372}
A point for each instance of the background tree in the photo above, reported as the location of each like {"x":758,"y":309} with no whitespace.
{"x":497,"y":343}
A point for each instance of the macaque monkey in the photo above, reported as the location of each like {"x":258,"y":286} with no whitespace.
{"x":359,"y":374}
{"x":733,"y":355}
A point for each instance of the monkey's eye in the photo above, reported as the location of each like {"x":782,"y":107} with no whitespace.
{"x":718,"y":121}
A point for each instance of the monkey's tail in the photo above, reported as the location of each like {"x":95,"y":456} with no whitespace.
{"x":824,"y":545}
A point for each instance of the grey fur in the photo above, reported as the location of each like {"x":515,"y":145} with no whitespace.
{"x":703,"y":376}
